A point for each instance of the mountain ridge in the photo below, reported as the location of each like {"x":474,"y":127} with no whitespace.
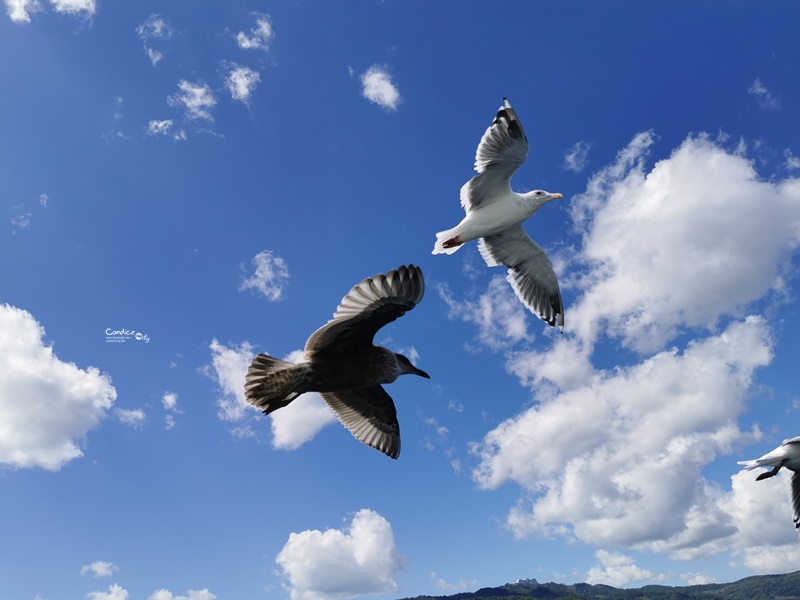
{"x":756,"y":587}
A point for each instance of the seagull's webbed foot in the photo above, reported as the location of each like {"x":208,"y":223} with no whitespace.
{"x":771,"y":473}
{"x":452,"y":242}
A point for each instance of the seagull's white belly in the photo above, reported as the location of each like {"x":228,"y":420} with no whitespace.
{"x":491,"y":219}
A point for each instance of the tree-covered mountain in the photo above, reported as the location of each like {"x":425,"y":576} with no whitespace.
{"x":761,"y":587}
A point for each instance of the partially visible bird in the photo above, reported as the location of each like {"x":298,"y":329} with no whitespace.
{"x":344,"y":366}
{"x":786,"y":455}
{"x":495,"y":214}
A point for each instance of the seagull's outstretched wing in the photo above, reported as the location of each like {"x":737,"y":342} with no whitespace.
{"x":369,"y":306}
{"x":501,"y":151}
{"x":796,"y":498}
{"x":370,"y":415}
{"x":529,"y":272}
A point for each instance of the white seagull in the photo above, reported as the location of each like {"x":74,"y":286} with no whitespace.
{"x":786,"y":455}
{"x":495,"y":214}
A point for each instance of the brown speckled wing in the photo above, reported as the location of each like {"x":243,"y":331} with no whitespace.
{"x":369,"y":306}
{"x":370,"y":415}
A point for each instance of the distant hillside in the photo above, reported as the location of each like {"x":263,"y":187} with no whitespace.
{"x":761,"y":587}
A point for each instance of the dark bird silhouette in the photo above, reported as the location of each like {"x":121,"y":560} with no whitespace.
{"x":344,"y":366}
{"x":786,"y":455}
{"x":495,"y":215}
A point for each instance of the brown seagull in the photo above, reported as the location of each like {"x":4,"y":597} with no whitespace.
{"x":344,"y":366}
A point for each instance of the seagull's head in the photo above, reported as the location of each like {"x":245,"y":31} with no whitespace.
{"x":541,"y":197}
{"x":406,"y":368}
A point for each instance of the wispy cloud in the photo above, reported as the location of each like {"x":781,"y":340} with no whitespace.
{"x":99,"y":568}
{"x":20,"y":10}
{"x":159,"y":127}
{"x":766,"y":99}
{"x":85,"y":8}
{"x":156,"y":28}
{"x":43,"y":198}
{"x":196,"y":99}
{"x":577,"y":157}
{"x":203,"y":594}
{"x":131,"y":417}
{"x":241,"y":81}
{"x":377,"y":87}
{"x":21,"y":221}
{"x":259,"y":36}
{"x":270,"y":277}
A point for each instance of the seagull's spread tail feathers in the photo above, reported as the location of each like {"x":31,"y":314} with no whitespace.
{"x":749,"y":465}
{"x":447,"y":242}
{"x":272,"y":383}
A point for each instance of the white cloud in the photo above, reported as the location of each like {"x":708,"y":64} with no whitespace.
{"x":270,"y":277}
{"x":43,"y":200}
{"x":20,"y":10}
{"x":357,"y":560}
{"x":132,"y":418}
{"x":229,"y":367}
{"x":378,"y":87}
{"x":259,"y":36}
{"x":159,"y":127}
{"x":499,"y":316}
{"x":615,"y":569}
{"x":155,"y":27}
{"x":203,"y":594}
{"x":766,"y":99}
{"x":169,"y":422}
{"x":62,"y":402}
{"x":115,"y":592}
{"x":462,"y":584}
{"x":679,"y":246}
{"x":577,"y":157}
{"x":22,"y":221}
{"x":99,"y":568}
{"x":75,"y":7}
{"x":196,"y":99}
{"x":792,"y":162}
{"x":241,"y":82}
{"x":615,"y":457}
{"x":170,"y":402}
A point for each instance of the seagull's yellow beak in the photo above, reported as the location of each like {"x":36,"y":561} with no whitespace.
{"x":556,"y":196}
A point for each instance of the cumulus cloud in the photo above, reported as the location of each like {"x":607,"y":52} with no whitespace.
{"x":615,"y":457}
{"x":47,"y":406}
{"x":577,"y":157}
{"x":259,"y":36}
{"x":203,"y":594}
{"x":170,"y":403}
{"x":196,"y":99}
{"x":615,"y":569}
{"x":115,"y":592}
{"x":359,"y":559}
{"x":130,"y":417}
{"x":155,"y":27}
{"x":99,"y":568}
{"x":378,"y":87}
{"x":270,"y":277}
{"x":765,"y":98}
{"x":792,"y":162}
{"x":20,"y":10}
{"x":680,"y":246}
{"x":241,"y":81}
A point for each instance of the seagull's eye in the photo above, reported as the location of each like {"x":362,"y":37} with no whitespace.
{"x":539,"y":193}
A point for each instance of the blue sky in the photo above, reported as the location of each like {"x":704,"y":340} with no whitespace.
{"x":215,"y":178}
